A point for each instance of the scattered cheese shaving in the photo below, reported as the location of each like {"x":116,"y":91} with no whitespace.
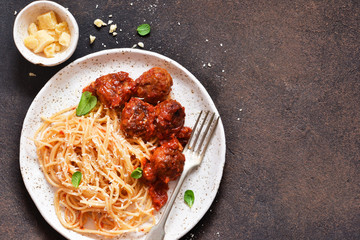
{"x":114,"y":34}
{"x":99,"y":23}
{"x":112,"y":28}
{"x":140,"y":44}
{"x":92,"y":39}
{"x":32,"y":74}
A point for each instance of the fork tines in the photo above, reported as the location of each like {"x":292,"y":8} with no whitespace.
{"x":203,"y":130}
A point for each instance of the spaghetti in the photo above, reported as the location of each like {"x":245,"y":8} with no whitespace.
{"x":107,"y":194}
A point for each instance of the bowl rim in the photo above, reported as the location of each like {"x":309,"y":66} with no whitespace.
{"x":33,"y":57}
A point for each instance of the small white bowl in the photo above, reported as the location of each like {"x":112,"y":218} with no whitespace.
{"x":28,"y":15}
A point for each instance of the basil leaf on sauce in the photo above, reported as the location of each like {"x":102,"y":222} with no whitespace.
{"x":143,"y":29}
{"x":189,"y":197}
{"x":76,"y":178}
{"x":137,"y":173}
{"x":86,"y":104}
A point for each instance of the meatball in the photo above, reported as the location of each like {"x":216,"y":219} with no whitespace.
{"x":168,"y":161}
{"x":154,"y":85}
{"x":170,"y":118}
{"x":90,"y":88}
{"x":113,"y":89}
{"x":158,"y":194}
{"x":138,"y":119}
{"x":184,"y":135}
{"x":148,"y":172}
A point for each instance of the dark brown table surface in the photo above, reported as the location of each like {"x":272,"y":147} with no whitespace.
{"x":285,"y":78}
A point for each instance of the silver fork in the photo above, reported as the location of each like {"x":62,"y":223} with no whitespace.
{"x":194,"y":152}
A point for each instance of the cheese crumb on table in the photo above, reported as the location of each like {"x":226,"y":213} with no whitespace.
{"x":112,"y":28}
{"x":32,"y":74}
{"x":99,"y":23}
{"x":92,"y":39}
{"x":140,"y":44}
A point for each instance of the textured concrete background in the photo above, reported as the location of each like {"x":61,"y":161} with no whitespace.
{"x":285,"y":78}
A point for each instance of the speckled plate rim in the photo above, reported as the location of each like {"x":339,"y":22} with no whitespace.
{"x":182,"y":219}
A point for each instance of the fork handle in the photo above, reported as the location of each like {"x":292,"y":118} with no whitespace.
{"x":158,"y":231}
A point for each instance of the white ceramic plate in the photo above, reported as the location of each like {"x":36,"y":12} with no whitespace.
{"x":64,"y":90}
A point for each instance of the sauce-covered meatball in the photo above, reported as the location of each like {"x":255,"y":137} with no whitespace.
{"x":149,"y":173}
{"x":165,"y":164}
{"x":170,"y":118}
{"x":158,"y":194}
{"x":184,"y":135}
{"x":138,"y":119}
{"x":168,"y":161}
{"x":113,"y":89}
{"x":154,"y":85}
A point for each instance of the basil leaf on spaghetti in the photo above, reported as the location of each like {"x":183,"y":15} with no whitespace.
{"x":76,"y":178}
{"x":189,"y":197}
{"x":86,"y":104}
{"x":137,"y":173}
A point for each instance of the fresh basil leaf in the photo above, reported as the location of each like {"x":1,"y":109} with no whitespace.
{"x":76,"y":178}
{"x":143,"y":29}
{"x":137,"y":173}
{"x":189,"y":197}
{"x":86,"y":104}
